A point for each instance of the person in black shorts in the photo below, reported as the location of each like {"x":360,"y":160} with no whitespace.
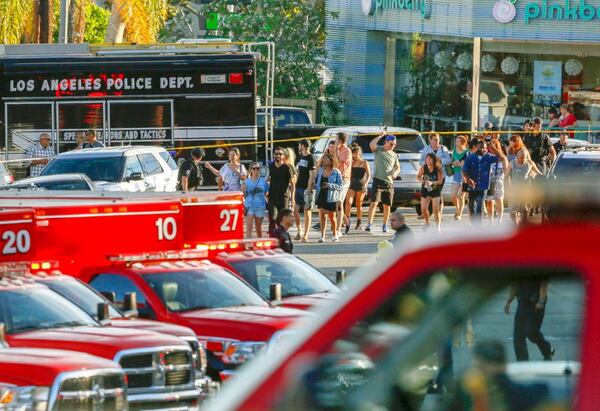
{"x":305,"y":167}
{"x":431,"y":177}
{"x":359,"y":178}
{"x":281,"y":178}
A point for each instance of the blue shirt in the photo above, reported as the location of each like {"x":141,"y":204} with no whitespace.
{"x":255,"y":193}
{"x":478,"y":169}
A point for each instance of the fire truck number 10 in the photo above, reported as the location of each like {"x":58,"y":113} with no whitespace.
{"x":167,"y":228}
{"x":16,"y":242}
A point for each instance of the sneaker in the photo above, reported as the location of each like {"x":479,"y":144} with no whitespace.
{"x":322,"y":239}
{"x":358,"y":225}
{"x":549,"y":357}
{"x":317,"y":226}
{"x":335,"y":239}
{"x":384,"y":229}
{"x":368,"y":227}
{"x":420,"y":217}
{"x":347,"y":229}
{"x":298,"y":237}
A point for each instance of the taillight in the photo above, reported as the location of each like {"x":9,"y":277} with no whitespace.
{"x":236,"y":78}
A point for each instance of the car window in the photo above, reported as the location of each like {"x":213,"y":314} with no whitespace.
{"x":121,"y":285}
{"x":150,"y":164}
{"x":295,"y":276}
{"x":283,"y":117}
{"x":577,"y":167}
{"x":81,"y":295}
{"x":319,"y":146}
{"x":449,"y":338}
{"x":97,"y":169}
{"x":405,"y":143}
{"x":132,"y":165}
{"x":165,"y":155}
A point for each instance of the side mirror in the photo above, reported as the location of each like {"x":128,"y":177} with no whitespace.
{"x":109,"y":295}
{"x":102,"y":313}
{"x":3,"y":342}
{"x":275,"y":293}
{"x":137,"y":176}
{"x":130,"y":305}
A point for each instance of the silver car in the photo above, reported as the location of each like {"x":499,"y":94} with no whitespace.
{"x":407,"y":191}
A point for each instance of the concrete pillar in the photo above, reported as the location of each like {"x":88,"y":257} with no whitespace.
{"x":476,"y":83}
{"x":389,"y":81}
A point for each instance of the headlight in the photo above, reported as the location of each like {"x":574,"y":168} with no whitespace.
{"x":24,"y":398}
{"x":240,"y":352}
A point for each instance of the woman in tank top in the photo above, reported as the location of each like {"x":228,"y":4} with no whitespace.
{"x":431,"y":177}
{"x":359,"y":178}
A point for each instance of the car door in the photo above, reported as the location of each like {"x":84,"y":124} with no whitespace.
{"x":154,"y":175}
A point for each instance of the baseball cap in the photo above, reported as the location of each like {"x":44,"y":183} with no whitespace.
{"x":198,"y":152}
{"x":390,"y":137}
{"x":488,"y":126}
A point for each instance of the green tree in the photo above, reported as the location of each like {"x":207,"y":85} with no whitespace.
{"x":298,"y":29}
{"x":96,"y":22}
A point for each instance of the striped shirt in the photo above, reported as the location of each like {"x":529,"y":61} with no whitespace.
{"x":37,"y":151}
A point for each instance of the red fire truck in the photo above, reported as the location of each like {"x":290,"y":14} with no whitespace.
{"x":433,"y":328}
{"x":34,"y":379}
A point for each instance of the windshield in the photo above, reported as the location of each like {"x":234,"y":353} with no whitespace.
{"x":284,"y":117}
{"x":202,"y":289}
{"x":405,"y":143}
{"x":82,"y":296}
{"x":577,"y":167}
{"x":97,"y":169}
{"x":38,"y":308}
{"x":295,"y":276}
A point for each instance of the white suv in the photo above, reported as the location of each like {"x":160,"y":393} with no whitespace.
{"x":137,"y":168}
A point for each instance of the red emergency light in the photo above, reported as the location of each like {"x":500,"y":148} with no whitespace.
{"x":236,"y":78}
{"x":235,"y":245}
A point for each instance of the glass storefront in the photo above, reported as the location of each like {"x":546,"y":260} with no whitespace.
{"x":525,"y":80}
{"x":433,"y":82}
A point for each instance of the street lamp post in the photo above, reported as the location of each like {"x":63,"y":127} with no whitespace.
{"x":63,"y":28}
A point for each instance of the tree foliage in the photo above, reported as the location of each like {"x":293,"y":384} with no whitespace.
{"x":143,"y":19}
{"x":96,"y":22}
{"x":15,"y":20}
{"x":298,"y":29}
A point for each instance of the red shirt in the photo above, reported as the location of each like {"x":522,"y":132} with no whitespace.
{"x":569,"y":120}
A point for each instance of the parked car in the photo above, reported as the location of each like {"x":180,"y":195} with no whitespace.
{"x":407,"y":191}
{"x":70,"y":181}
{"x":135,"y":168}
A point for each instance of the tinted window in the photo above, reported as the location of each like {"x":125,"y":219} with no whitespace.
{"x":295,"y":276}
{"x":132,"y":165}
{"x":81,"y":295}
{"x":150,"y":164}
{"x":203,"y":288}
{"x":38,"y":308}
{"x":168,"y":159}
{"x":97,"y":169}
{"x":405,"y":143}
{"x":319,"y":146}
{"x":577,"y":167}
{"x":283,"y":117}
{"x":121,"y":285}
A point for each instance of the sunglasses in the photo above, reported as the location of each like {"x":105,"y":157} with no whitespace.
{"x":255,"y":168}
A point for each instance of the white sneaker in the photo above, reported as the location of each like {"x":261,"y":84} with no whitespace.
{"x":335,"y":239}
{"x":322,"y":239}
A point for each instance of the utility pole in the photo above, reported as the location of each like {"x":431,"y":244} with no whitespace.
{"x":63,"y":28}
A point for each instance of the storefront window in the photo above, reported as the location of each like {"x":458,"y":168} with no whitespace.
{"x":519,"y":81}
{"x":433,"y":84}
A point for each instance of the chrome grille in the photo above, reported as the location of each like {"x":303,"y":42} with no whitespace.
{"x":91,"y":390}
{"x":166,"y":367}
{"x":198,"y":355}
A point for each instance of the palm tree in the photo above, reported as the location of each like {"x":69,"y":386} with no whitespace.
{"x":16,"y":20}
{"x":77,"y":9}
{"x":139,"y":21}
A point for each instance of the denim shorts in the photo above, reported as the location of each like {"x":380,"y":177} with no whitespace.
{"x":256,"y":211}
{"x":457,"y":178}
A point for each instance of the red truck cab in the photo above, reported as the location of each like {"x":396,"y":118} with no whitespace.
{"x":302,"y":285}
{"x":229,"y":317}
{"x":160,"y":369}
{"x":416,"y":331}
{"x":34,"y":379}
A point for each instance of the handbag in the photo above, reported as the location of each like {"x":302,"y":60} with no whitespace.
{"x":449,"y":170}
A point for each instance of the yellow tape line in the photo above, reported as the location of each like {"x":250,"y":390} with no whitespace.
{"x":396,"y":133}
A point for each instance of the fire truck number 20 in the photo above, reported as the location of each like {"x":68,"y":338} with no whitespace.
{"x":16,"y":242}
{"x":167,"y":227}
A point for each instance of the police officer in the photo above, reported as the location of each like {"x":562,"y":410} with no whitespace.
{"x":190,"y":175}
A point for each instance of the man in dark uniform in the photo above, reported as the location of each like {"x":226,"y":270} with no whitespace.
{"x":190,"y":175}
{"x":285,"y":219}
{"x":561,"y":144}
{"x":532,"y":296}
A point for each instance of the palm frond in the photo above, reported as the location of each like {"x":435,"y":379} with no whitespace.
{"x":16,"y":14}
{"x":143,"y":19}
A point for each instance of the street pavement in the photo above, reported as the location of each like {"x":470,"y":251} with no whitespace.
{"x":563,"y":314}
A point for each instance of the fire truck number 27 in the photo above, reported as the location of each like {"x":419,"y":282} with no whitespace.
{"x":16,"y":242}
{"x":167,"y":227}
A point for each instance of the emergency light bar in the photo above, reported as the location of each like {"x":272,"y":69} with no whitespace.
{"x":22,"y":268}
{"x":236,"y":245}
{"x":158,"y":256}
